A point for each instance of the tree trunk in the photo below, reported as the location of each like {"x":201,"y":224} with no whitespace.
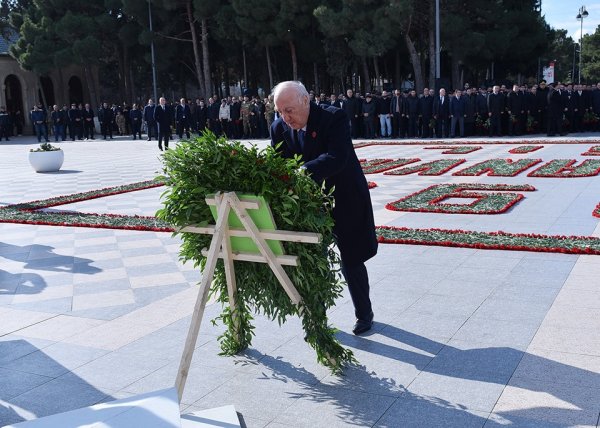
{"x":121,"y":60}
{"x":197,"y":65}
{"x":269,"y":68}
{"x":126,"y":75}
{"x":397,"y":82}
{"x":206,"y":56}
{"x":365,"y":67}
{"x":316,"y":73}
{"x":90,"y":84}
{"x":378,"y":80}
{"x":416,"y":62}
{"x":294,"y":60}
{"x":432,"y":53}
{"x":455,"y":72}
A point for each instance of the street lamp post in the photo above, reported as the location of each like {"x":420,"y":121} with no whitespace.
{"x":153,"y":59}
{"x":582,"y":14}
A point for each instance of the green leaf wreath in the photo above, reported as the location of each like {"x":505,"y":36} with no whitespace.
{"x":208,"y":164}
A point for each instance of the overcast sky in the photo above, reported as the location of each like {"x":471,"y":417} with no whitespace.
{"x":562,"y":14}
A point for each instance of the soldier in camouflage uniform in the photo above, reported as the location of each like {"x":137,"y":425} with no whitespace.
{"x":246,"y":110}
{"x":269,"y":112}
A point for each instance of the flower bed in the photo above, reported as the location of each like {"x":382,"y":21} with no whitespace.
{"x":431,"y":199}
{"x":498,"y":167}
{"x":524,"y":149}
{"x":374,"y":166}
{"x":567,"y":168}
{"x":596,"y":212}
{"x":592,"y":151}
{"x":457,"y":150}
{"x":490,"y":240}
{"x":437,"y":167}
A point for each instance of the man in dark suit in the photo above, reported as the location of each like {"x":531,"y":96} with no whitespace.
{"x":183,"y":115}
{"x":89,"y":129}
{"x":495,"y":103}
{"x":322,"y":137}
{"x":458,"y":112}
{"x":441,"y":114}
{"x":352,"y":107}
{"x":107,"y":118}
{"x":425,"y":114}
{"x":163,"y":116}
{"x":556,"y":110}
{"x":149,"y":119}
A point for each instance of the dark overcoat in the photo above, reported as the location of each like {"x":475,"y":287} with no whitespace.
{"x":329,"y":156}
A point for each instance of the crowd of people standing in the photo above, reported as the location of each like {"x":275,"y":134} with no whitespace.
{"x":554,"y":109}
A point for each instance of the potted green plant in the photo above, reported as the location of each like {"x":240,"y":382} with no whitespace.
{"x":46,"y":158}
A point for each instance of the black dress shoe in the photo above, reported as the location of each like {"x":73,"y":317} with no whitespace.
{"x":362,"y":326}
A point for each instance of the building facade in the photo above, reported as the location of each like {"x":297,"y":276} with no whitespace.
{"x":21,"y":89}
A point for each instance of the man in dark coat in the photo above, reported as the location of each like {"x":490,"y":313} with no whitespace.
{"x":183,"y":116}
{"x":163,"y":116}
{"x":541,"y":105}
{"x":458,"y":112}
{"x":106,"y":116}
{"x":352,"y":107}
{"x":425,"y":114}
{"x":515,"y":104}
{"x":412,"y":113}
{"x":556,"y":110}
{"x":89,"y":128}
{"x":322,"y":137}
{"x":495,"y":103}
{"x":441,"y":114}
{"x":149,"y":119}
{"x":76,"y":123}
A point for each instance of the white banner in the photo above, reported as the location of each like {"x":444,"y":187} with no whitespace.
{"x":549,"y":73}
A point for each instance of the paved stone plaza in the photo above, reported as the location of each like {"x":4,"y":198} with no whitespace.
{"x":463,"y":337}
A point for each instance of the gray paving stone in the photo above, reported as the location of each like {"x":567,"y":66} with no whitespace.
{"x":544,"y":401}
{"x":14,"y":382}
{"x":421,"y":412}
{"x":74,"y":394}
{"x":476,"y":361}
{"x":468,"y":393}
{"x":515,"y":334}
{"x":55,"y":360}
{"x":345,"y":407}
{"x":13,"y":346}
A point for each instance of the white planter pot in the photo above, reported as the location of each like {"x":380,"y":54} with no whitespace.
{"x":46,"y":161}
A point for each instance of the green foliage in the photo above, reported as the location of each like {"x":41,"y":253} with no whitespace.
{"x":208,"y":164}
{"x":590,"y":58}
{"x":45,"y":147}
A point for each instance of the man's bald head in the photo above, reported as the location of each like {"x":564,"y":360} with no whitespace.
{"x":293,"y":103}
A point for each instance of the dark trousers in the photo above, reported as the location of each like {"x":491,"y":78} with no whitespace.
{"x":358,"y":284}
{"x":76,"y":131}
{"x":555,"y":121}
{"x":442,"y":126}
{"x":59,"y":132}
{"x":495,"y":125}
{"x":41,"y":131}
{"x":151,"y":129}
{"x":164,"y":133}
{"x":412,"y":126}
{"x":369,"y":127}
{"x":183,"y":126}
{"x":4,"y":132}
{"x":88,"y":129}
{"x":106,"y":130}
{"x":425,"y":129}
{"x":136,"y":129}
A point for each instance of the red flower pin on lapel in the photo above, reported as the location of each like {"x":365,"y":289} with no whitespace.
{"x":314,"y":134}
